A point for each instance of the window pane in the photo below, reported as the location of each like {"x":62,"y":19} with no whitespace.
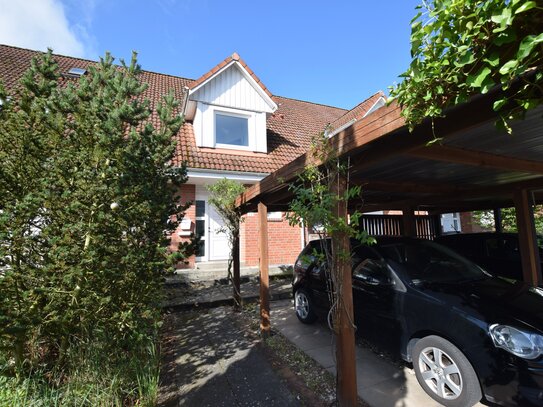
{"x":201,"y":250}
{"x":200,"y":208}
{"x":200,"y":227}
{"x":231,"y":130}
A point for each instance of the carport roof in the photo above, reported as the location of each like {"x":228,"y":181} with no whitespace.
{"x":472,"y":166}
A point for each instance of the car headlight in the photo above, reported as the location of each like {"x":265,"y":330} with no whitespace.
{"x":520,"y":343}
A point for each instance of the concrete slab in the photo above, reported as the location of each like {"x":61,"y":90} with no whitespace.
{"x":380,"y":382}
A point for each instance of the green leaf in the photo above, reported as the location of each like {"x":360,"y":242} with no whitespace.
{"x":477,"y":79}
{"x":498,"y":104}
{"x":527,"y":44}
{"x":465,"y":59}
{"x":503,"y":18}
{"x":493,"y":59}
{"x":508,"y":66}
{"x":525,"y":7}
{"x":505,"y":37}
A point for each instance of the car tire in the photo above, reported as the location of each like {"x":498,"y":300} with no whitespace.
{"x":303,"y":306}
{"x":445,"y":373}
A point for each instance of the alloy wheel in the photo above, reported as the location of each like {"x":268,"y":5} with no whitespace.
{"x":441,"y":373}
{"x":302,"y":305}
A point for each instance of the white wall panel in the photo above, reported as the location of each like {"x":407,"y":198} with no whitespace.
{"x":232,"y":89}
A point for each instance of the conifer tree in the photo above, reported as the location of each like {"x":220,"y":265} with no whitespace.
{"x":86,"y":207}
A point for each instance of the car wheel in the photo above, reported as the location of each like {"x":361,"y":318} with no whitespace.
{"x":303,"y":306}
{"x":445,"y":373}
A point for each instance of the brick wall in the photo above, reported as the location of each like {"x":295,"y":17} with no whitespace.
{"x":284,"y":241}
{"x":187,"y":193}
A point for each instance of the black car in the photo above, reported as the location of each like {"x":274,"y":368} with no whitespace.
{"x":498,"y":253}
{"x":469,"y":335}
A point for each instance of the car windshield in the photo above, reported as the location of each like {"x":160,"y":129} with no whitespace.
{"x":425,"y":261}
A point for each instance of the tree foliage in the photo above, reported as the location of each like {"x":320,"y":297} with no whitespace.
{"x":86,"y":206}
{"x":223,"y":196}
{"x":465,"y":47}
{"x":509,"y":219}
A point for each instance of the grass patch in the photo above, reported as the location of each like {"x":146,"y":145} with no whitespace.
{"x":97,"y":378}
{"x":314,"y":377}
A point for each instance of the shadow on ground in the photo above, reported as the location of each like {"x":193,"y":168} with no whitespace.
{"x":209,"y":362}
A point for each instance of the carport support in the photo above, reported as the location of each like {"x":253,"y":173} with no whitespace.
{"x":498,"y":220}
{"x":345,"y":346}
{"x":409,"y":222}
{"x":237,"y":278}
{"x":529,"y":252}
{"x":264,"y":272}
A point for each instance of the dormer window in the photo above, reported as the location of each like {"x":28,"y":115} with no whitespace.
{"x":228,"y":107}
{"x":231,"y":130}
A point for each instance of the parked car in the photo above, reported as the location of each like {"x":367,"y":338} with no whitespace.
{"x":498,"y":253}
{"x":468,"y":334}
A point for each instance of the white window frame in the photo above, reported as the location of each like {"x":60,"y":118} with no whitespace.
{"x":239,"y":114}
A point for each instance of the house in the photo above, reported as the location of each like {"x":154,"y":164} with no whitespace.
{"x":234,"y":128}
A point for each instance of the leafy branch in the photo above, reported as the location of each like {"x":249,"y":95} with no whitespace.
{"x":461,"y":48}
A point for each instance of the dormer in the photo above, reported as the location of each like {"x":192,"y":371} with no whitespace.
{"x":229,"y":106}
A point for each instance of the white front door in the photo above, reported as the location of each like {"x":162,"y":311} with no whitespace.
{"x":213,"y":242}
{"x":218,"y":241}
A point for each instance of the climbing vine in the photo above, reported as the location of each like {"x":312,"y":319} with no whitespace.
{"x":461,"y":48}
{"x":314,"y":205}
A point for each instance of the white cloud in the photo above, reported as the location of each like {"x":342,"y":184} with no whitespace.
{"x":38,"y":24}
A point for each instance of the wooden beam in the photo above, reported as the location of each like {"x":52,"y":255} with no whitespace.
{"x":345,"y":345}
{"x":529,"y":251}
{"x":264,"y":272}
{"x":477,"y":158}
{"x":421,"y":186}
{"x":473,"y":198}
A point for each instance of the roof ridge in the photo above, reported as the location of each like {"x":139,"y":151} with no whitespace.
{"x":91,"y":60}
{"x":313,"y":103}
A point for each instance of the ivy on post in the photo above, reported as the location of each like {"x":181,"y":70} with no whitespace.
{"x":321,"y":196}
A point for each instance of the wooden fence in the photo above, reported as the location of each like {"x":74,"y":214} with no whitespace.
{"x":392,"y":225}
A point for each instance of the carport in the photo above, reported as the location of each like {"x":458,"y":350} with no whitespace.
{"x":472,"y":166}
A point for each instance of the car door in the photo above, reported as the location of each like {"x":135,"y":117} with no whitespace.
{"x":375,"y":298}
{"x":317,"y":273}
{"x":503,"y":256}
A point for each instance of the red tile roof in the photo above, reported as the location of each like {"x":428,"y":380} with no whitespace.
{"x":357,"y":112}
{"x":289,"y":129}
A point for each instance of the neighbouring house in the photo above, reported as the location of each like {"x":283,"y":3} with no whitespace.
{"x":235,"y":128}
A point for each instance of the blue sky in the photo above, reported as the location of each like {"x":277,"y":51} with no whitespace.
{"x":335,"y":53}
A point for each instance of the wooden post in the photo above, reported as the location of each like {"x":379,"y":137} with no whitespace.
{"x":409,"y":222}
{"x":529,"y":252}
{"x":237,"y":279}
{"x":345,"y":345}
{"x":264,"y":273}
{"x":498,"y":220}
{"x":436,"y":220}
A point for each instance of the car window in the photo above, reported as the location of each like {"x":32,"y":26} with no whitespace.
{"x":425,"y":261}
{"x":373,"y":272}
